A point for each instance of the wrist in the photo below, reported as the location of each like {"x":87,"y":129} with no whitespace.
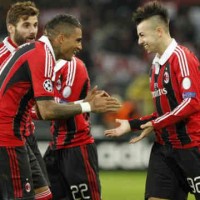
{"x":78,"y":102}
{"x":85,"y":107}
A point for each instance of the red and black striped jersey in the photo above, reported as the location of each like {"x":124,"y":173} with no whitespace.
{"x":24,"y":77}
{"x":175,"y":87}
{"x":7,"y":47}
{"x":71,"y":84}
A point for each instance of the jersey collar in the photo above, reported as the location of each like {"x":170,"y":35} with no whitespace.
{"x":9,"y":44}
{"x":167,"y":53}
{"x":45,"y":40}
{"x":59,"y":64}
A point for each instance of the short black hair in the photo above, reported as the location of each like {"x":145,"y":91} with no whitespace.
{"x":148,"y":10}
{"x":61,"y":23}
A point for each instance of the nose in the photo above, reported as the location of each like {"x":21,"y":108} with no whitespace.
{"x":139,"y":41}
{"x":33,"y":29}
{"x":80,"y":46}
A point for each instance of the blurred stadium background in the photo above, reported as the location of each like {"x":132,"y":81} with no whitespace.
{"x":118,"y":65}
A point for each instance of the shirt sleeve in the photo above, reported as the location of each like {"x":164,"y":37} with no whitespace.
{"x":41,"y":67}
{"x":136,"y":123}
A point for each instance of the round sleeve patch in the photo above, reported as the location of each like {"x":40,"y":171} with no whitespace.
{"x":66,"y":92}
{"x":48,"y":86}
{"x":186,"y":83}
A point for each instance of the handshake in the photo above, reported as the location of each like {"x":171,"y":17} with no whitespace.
{"x":99,"y":101}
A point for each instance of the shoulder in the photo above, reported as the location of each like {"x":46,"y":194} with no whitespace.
{"x":2,"y":45}
{"x":79,"y":62}
{"x":182,"y":53}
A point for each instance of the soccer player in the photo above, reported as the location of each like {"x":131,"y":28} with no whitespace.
{"x":174,"y":166}
{"x":71,"y":159}
{"x":25,"y":79}
{"x":22,"y":26}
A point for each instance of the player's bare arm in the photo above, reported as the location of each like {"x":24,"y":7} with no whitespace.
{"x":50,"y":110}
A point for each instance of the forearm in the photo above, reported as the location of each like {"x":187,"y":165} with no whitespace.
{"x":50,"y":110}
{"x":135,"y":124}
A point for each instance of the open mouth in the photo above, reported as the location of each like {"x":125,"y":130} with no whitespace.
{"x":30,"y":40}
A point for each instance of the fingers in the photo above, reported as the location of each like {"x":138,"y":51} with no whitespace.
{"x":147,"y":125}
{"x":102,"y":93}
{"x":110,"y":133}
{"x":94,"y":89}
{"x":136,"y":139}
{"x":144,"y":134}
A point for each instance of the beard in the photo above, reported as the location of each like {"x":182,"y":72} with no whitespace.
{"x":19,"y":39}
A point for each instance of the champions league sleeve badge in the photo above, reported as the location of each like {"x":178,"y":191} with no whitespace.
{"x":48,"y":86}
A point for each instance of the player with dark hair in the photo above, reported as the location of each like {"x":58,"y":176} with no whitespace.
{"x":174,"y":166}
{"x":71,"y":158}
{"x":22,"y":26}
{"x":25,"y":79}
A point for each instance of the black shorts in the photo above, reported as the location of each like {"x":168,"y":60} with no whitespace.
{"x":74,"y":173}
{"x":37,"y":175}
{"x":173,"y":173}
{"x":15,"y":174}
{"x":32,"y":142}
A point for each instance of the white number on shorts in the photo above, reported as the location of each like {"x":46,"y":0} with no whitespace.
{"x":194,"y":184}
{"x":79,"y":189}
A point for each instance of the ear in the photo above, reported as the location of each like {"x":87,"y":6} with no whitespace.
{"x":159,"y":31}
{"x":10,"y":28}
{"x":60,"y":38}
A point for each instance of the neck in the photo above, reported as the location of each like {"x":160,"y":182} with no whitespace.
{"x":13,"y":41}
{"x":164,"y":44}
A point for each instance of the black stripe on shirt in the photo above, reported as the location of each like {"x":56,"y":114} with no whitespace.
{"x":173,"y":103}
{"x":14,"y":58}
{"x":21,"y":111}
{"x":165,"y":134}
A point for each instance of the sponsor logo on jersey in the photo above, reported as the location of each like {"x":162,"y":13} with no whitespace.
{"x":48,"y":86}
{"x":159,"y":92}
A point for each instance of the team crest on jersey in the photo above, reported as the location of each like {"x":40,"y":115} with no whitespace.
{"x":58,"y":84}
{"x":48,"y":86}
{"x":28,"y":187}
{"x":66,"y":91}
{"x":166,"y":77}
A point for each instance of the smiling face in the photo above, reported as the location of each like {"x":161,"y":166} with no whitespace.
{"x":148,"y":36}
{"x":67,"y":45}
{"x":71,"y":44}
{"x":24,"y":31}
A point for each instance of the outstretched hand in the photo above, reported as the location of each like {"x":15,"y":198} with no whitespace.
{"x":123,"y":128}
{"x":147,"y":129}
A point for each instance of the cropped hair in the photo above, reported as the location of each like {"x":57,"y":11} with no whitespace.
{"x":62,"y":23}
{"x":22,"y":10}
{"x":150,"y":9}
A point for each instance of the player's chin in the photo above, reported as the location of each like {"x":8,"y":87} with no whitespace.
{"x":69,"y":58}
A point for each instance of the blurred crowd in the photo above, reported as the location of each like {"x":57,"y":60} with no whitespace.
{"x":114,"y":60}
